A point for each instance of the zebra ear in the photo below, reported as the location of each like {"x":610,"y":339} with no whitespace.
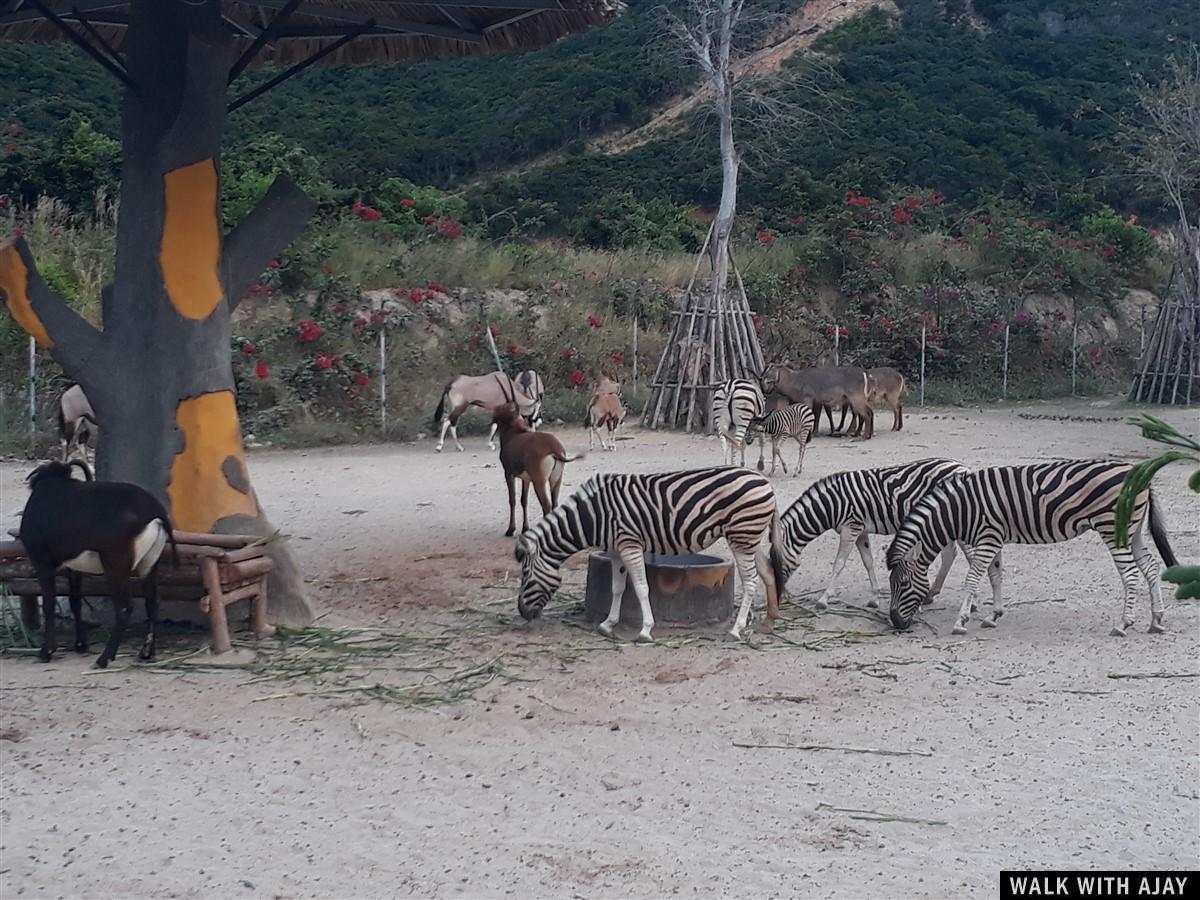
{"x":911,"y":554}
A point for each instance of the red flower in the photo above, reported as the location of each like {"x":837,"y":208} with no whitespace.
{"x":261,"y":369}
{"x":406,"y":203}
{"x":429,"y":220}
{"x":1095,"y":351}
{"x":324,"y":362}
{"x":339,"y":308}
{"x":912,"y":203}
{"x":18,"y":232}
{"x":851,"y":233}
{"x":765,"y":237}
{"x":618,"y":358}
{"x":796,"y":220}
{"x":599,"y":217}
{"x":361,"y":378}
{"x":437,"y":286}
{"x":987,"y":220}
{"x":514,"y":350}
{"x":901,"y":216}
{"x":556,"y":288}
{"x":829,"y":331}
{"x":593,"y":322}
{"x":377,"y":318}
{"x":566,"y":354}
{"x":249,"y":348}
{"x":11,"y":148}
{"x":274,"y":264}
{"x":864,"y":323}
{"x":328,"y":267}
{"x":1058,"y":273}
{"x":1110,"y":253}
{"x":474,"y":340}
{"x":844,"y":332}
{"x":936,"y":198}
{"x":415,"y":295}
{"x":308,"y":331}
{"x":576,"y":378}
{"x":494,"y":332}
{"x":757,"y":322}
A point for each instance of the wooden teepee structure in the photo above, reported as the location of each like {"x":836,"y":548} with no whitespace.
{"x":712,"y":340}
{"x":1169,"y":368}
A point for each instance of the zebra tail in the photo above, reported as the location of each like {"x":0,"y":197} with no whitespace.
{"x":777,"y":561}
{"x":1159,"y":531}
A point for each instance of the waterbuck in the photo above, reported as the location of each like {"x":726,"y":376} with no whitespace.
{"x":828,"y":387}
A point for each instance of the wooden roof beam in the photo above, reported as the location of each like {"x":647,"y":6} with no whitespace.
{"x":401,"y":26}
{"x":28,"y":12}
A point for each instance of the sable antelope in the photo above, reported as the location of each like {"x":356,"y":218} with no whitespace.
{"x":487,"y":391}
{"x":535,"y":457}
{"x":110,"y":528}
{"x":604,"y":409}
{"x":531,"y":385}
{"x":826,"y":387}
{"x":76,"y":422}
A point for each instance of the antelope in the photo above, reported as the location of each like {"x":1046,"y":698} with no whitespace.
{"x":534,"y":457}
{"x":487,"y":391}
{"x":110,"y":528}
{"x":887,"y":384}
{"x":828,"y":387}
{"x":76,"y":422}
{"x":604,"y":409}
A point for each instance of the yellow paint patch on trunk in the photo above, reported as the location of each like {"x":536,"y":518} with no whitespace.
{"x":14,"y":282}
{"x":191,"y":240}
{"x":199,"y":490}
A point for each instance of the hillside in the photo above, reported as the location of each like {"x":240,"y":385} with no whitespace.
{"x":993,"y":97}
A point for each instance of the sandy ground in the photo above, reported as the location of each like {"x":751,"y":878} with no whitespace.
{"x":615,"y":772}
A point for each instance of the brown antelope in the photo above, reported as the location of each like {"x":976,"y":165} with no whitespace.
{"x":887,"y":385}
{"x":828,"y":387}
{"x":535,"y":457}
{"x":604,"y":409}
{"x":486,"y":391}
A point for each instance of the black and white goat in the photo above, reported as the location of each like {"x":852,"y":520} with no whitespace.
{"x":94,"y":527}
{"x":76,"y":422}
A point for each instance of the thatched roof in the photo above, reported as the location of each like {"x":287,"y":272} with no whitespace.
{"x":402,"y":30}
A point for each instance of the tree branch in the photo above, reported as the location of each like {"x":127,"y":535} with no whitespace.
{"x":73,"y":342}
{"x":277,"y":221}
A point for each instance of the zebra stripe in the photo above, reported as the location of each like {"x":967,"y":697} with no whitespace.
{"x":735,"y":404}
{"x":628,"y":516}
{"x":796,"y":421}
{"x":855,"y":504}
{"x":1045,"y":503}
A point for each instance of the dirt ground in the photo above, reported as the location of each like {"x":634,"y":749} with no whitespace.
{"x":584,"y":768}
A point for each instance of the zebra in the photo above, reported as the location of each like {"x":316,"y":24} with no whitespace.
{"x":628,"y":516}
{"x":795,"y":421}
{"x":1043,"y":503}
{"x":854,"y":504}
{"x":735,"y":404}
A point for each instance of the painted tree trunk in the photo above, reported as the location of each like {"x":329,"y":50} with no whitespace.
{"x":160,"y":375}
{"x":727,"y":210}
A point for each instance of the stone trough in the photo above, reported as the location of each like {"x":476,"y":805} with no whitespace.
{"x":696,"y":589}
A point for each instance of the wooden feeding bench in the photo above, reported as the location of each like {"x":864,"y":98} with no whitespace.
{"x":214,"y":569}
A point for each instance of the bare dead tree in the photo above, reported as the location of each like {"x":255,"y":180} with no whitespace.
{"x":1162,"y":141}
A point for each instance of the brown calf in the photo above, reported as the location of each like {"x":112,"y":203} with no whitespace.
{"x":604,"y":410}
{"x":888,"y":385}
{"x":535,"y":457}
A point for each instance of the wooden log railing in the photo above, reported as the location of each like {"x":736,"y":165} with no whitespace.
{"x":216,"y":570}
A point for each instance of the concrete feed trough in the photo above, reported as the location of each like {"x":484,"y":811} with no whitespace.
{"x":684,"y":590}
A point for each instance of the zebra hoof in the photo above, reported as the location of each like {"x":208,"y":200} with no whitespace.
{"x":974,"y":607}
{"x":872,"y":603}
{"x":1156,"y":626}
{"x":644,"y":637}
{"x":605,"y":628}
{"x":988,"y":623}
{"x":1117,"y":632}
{"x":822,"y":603}
{"x":437,"y":449}
{"x":959,"y":629}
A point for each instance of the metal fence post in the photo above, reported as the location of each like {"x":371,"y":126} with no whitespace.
{"x":32,"y":388}
{"x":383,"y":380}
{"x":1004,"y":386}
{"x":923,"y":326}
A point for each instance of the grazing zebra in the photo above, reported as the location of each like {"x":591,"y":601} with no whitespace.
{"x":628,"y":516}
{"x":735,"y":404}
{"x":855,"y":504}
{"x":792,"y":421}
{"x":1044,"y":503}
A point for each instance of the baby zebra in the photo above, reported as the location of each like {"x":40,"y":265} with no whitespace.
{"x":108,"y":528}
{"x":1044,"y":503}
{"x":628,"y":516}
{"x":854,"y":504}
{"x":792,"y":421}
{"x":735,"y":404}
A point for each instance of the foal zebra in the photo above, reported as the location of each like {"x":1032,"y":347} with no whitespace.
{"x":792,"y":421}
{"x":1044,"y":503}
{"x":735,"y":404}
{"x":628,"y":516}
{"x":854,"y":504}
